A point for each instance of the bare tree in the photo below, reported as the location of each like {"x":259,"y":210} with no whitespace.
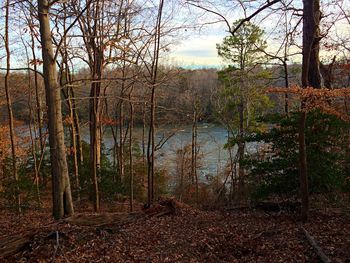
{"x":62,"y":198}
{"x":151,"y":132}
{"x":9,"y":107}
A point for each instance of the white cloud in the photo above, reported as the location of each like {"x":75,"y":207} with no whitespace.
{"x":197,"y":51}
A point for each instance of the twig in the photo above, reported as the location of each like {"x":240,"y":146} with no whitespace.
{"x":317,"y":248}
{"x":56,"y":247}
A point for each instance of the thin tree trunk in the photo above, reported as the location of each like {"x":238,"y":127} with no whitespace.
{"x":194,"y":153}
{"x":9,"y":108}
{"x":193,"y":146}
{"x":74,"y":146}
{"x":76,"y":142}
{"x":66,"y":79}
{"x":121,"y":137}
{"x":36,"y":83}
{"x":95,"y":135}
{"x":94,"y":141}
{"x":32,"y":138}
{"x":61,"y":191}
{"x":241,"y":147}
{"x":143,"y":135}
{"x":150,"y":151}
{"x":286,"y":84}
{"x":77,"y":129}
{"x":304,"y":188}
{"x":131,"y":168}
{"x":151,"y":133}
{"x":37,"y":98}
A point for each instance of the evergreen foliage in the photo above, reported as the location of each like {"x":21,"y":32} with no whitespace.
{"x":275,"y":169}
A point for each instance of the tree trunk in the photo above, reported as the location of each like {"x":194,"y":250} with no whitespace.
{"x":310,"y":77}
{"x":96,"y":57}
{"x":143,"y":134}
{"x":9,"y":109}
{"x":150,"y":151}
{"x":286,"y":84}
{"x":61,"y":191}
{"x":151,"y":134}
{"x":66,"y":79}
{"x":77,"y":129}
{"x":95,"y":126}
{"x":241,"y":147}
{"x":131,"y":168}
{"x":74,"y":150}
{"x":32,"y":140}
{"x":194,"y":174}
{"x":121,"y":137}
{"x":94,"y":143}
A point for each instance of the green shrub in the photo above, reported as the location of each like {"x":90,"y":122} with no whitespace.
{"x":277,"y":172}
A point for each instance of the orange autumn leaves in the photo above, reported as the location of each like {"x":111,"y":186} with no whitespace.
{"x":21,"y":142}
{"x":330,"y":101}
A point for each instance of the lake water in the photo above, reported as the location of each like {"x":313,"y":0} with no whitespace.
{"x":211,"y":140}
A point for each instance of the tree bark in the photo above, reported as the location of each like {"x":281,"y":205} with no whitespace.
{"x":286,"y":84}
{"x":310,"y":77}
{"x":131,"y":167}
{"x":96,"y":67}
{"x":151,"y":133}
{"x":61,"y":191}
{"x":194,"y":174}
{"x":32,"y":139}
{"x":9,"y":109}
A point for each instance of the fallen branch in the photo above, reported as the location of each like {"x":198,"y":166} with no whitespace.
{"x":286,"y":206}
{"x":316,"y":247}
{"x":235,"y":208}
{"x":56,"y":247}
{"x":104,"y":219}
{"x":11,"y":245}
{"x":164,"y":207}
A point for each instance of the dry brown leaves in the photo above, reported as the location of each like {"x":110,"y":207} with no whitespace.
{"x":191,"y":235}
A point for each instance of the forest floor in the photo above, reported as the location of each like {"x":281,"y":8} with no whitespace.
{"x":187,"y":235}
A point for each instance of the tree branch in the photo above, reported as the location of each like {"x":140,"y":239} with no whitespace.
{"x":268,"y":4}
{"x":70,"y":27}
{"x":20,"y":69}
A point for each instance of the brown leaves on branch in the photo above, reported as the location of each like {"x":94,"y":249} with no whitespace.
{"x":330,"y":101}
{"x":309,"y":91}
{"x":35,"y":62}
{"x":5,"y":142}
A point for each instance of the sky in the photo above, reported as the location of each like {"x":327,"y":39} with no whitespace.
{"x":199,"y":49}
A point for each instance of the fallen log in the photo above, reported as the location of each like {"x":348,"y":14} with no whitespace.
{"x":322,"y":256}
{"x":285,"y":206}
{"x":11,"y":245}
{"x":103,"y":219}
{"x":164,"y":207}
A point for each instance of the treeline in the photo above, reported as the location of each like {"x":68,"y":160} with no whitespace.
{"x":174,"y":98}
